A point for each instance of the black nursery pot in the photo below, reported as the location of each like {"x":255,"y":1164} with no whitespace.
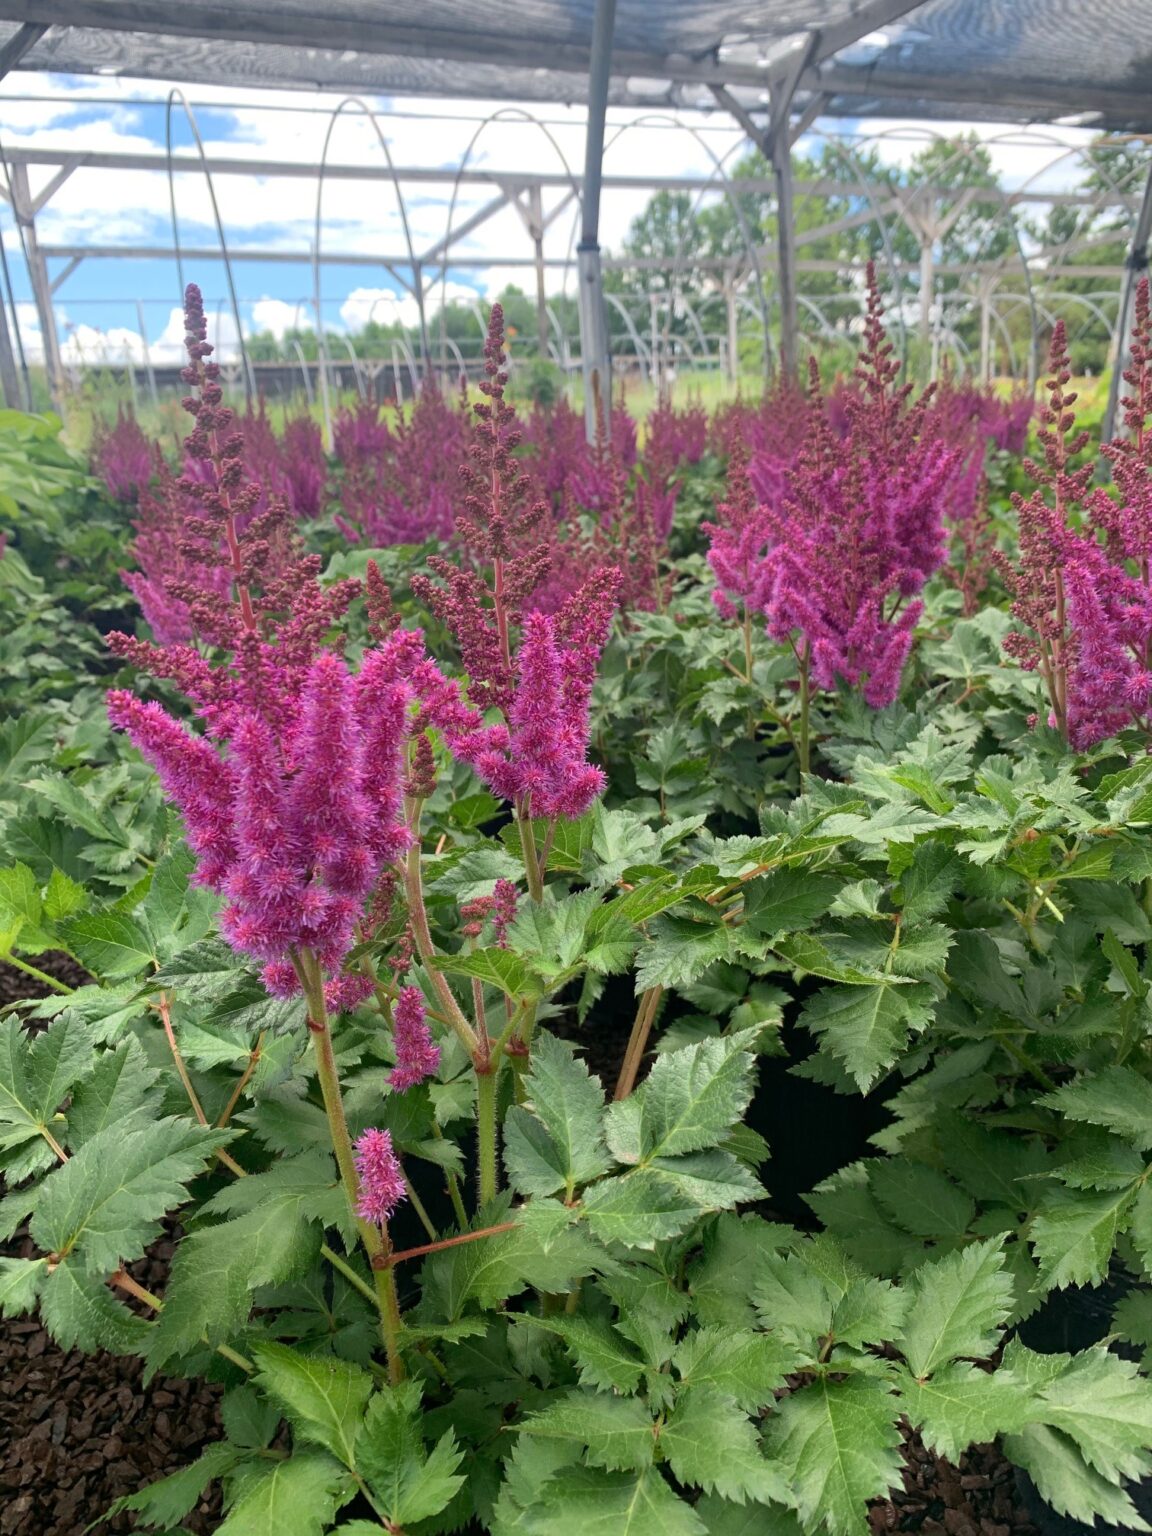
{"x":1049,"y":1523}
{"x":1069,"y":1321}
{"x":812,"y":1130}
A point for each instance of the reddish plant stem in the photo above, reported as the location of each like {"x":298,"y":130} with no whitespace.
{"x":638,"y":1042}
{"x":451,"y":1242}
{"x":245,"y":1079}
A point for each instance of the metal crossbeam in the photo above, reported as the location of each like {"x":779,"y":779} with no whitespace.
{"x":717,"y":264}
{"x":19,"y":44}
{"x":217,"y":165}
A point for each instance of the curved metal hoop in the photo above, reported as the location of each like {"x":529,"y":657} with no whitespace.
{"x":174,"y":95}
{"x":317,"y":238}
{"x":502,"y":114}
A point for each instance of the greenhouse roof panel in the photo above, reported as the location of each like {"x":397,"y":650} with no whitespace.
{"x":1023,"y":60}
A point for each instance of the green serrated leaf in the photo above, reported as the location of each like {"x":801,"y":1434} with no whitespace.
{"x":407,"y":1482}
{"x":20,"y":1283}
{"x":745,"y":1366}
{"x":617,"y":1432}
{"x":957,"y":1306}
{"x":104,"y":1205}
{"x":603,"y":1358}
{"x":110,"y":944}
{"x":297,"y":1496}
{"x":1117,"y":1098}
{"x":1074,"y":1233}
{"x":710,"y":1444}
{"x":80,"y":1312}
{"x":688,"y":1102}
{"x":121,"y":1088}
{"x":837,"y":1443}
{"x":165,"y":1502}
{"x":324,"y":1397}
{"x":866,"y":1027}
{"x":584,"y":1501}
{"x":962,"y":1406}
{"x":497,"y":967}
{"x":37,"y":1072}
{"x":554,"y":1141}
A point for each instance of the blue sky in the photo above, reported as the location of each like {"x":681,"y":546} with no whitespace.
{"x":97,"y":305}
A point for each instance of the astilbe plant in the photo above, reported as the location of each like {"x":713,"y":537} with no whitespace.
{"x":672,"y":439}
{"x":293,"y":799}
{"x":543,"y":688}
{"x":123,"y":457}
{"x":592,"y":1336}
{"x":624,"y":524}
{"x":857,"y":531}
{"x":398,"y":483}
{"x":1081,"y":585}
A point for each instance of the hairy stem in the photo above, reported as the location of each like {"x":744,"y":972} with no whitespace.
{"x":453,"y":1184}
{"x":245,"y":1078}
{"x":418,"y":1206}
{"x":532,"y":867}
{"x":486,"y":1132}
{"x":803,"y":744}
{"x":164,"y":1008}
{"x":124,"y":1282}
{"x":638,"y":1041}
{"x":452,"y":1242}
{"x":374,"y":1239}
{"x":414,"y":891}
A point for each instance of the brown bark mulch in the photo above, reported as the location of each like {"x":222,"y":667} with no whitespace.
{"x":79,"y":1431}
{"x":976,"y":1497}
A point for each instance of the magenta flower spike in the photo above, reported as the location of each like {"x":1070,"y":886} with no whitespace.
{"x":417,"y":1054}
{"x":381,"y":1177}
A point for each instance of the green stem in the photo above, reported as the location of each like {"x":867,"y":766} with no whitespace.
{"x":349,"y":1274}
{"x":488,"y":1178}
{"x":1029,"y":1066}
{"x":414,"y":891}
{"x":39,"y":975}
{"x":374,"y":1238}
{"x":803,"y":745}
{"x":418,"y":1206}
{"x":124,"y":1282}
{"x":453,"y":1183}
{"x":747,"y":645}
{"x":532,"y":870}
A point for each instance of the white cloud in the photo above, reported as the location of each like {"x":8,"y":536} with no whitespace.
{"x":367,"y":218}
{"x":279,"y":317}
{"x":389,"y":306}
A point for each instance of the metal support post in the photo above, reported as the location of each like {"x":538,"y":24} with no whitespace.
{"x":987,"y":288}
{"x":733,"y":327}
{"x":1136,"y":265}
{"x":593,"y":322}
{"x":149,"y":370}
{"x":775,"y":144}
{"x":9,"y":375}
{"x":24,"y":210}
{"x":781,"y":148}
{"x":535,"y":222}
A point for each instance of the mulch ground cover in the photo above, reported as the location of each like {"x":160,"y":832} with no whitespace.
{"x":78,"y":1431}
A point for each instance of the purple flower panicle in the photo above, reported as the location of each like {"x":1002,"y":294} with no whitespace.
{"x":381,"y":1178}
{"x":417,"y":1055}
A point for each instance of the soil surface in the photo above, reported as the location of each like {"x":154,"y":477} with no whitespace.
{"x":976,"y":1497}
{"x":79,"y":1431}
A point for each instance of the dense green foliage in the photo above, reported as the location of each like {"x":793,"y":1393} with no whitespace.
{"x":949,"y":914}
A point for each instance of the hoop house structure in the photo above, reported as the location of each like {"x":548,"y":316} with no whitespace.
{"x":774,"y":67}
